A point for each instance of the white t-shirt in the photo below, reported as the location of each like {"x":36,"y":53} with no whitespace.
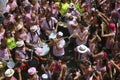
{"x":60,"y":52}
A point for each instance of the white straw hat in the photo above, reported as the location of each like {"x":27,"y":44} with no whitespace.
{"x":20,"y":43}
{"x":9,"y":72}
{"x":60,"y":33}
{"x":33,"y":28}
{"x":71,"y":6}
{"x":19,"y":26}
{"x":32,"y":70}
{"x":82,"y":48}
{"x":44,"y":76}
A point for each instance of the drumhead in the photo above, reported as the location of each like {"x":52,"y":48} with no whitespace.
{"x":44,"y":49}
{"x":10,"y":64}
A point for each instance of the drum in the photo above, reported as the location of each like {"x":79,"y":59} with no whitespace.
{"x":52,"y":35}
{"x":11,"y":63}
{"x":42,"y":50}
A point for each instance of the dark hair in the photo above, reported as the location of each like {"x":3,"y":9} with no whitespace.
{"x":55,"y":75}
{"x":27,"y":8}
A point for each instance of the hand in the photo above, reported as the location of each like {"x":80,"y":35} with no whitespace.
{"x":111,"y":61}
{"x":19,"y":70}
{"x":75,"y":33}
{"x":55,"y":40}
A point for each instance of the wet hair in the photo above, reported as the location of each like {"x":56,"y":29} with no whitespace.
{"x":6,"y":14}
{"x":27,"y":8}
{"x":55,"y":75}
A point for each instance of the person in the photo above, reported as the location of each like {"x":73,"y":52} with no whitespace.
{"x":10,"y":40}
{"x":73,"y":10}
{"x":9,"y":74}
{"x":58,"y":46}
{"x":82,"y":52}
{"x":33,"y":39}
{"x":21,"y":32}
{"x":49,"y":25}
{"x":3,"y":5}
{"x":2,"y":32}
{"x":32,"y":72}
{"x":21,"y":52}
{"x":4,"y":51}
{"x":11,"y":5}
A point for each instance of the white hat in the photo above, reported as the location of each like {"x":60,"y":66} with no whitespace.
{"x":32,"y":71}
{"x":93,"y":9}
{"x":71,"y":6}
{"x":33,"y":28}
{"x":9,"y":72}
{"x":60,"y":33}
{"x":38,"y":51}
{"x":44,"y":76}
{"x":20,"y":43}
{"x":19,"y":26}
{"x":82,"y":48}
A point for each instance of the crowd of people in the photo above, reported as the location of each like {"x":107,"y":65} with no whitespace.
{"x":60,"y":40}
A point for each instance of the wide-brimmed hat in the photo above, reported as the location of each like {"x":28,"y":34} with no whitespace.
{"x":60,"y":33}
{"x":82,"y":48}
{"x":19,"y":26}
{"x":20,"y":43}
{"x":32,"y":70}
{"x":33,"y":28}
{"x":45,"y":76}
{"x":71,"y":6}
{"x":9,"y":72}
{"x":38,"y":51}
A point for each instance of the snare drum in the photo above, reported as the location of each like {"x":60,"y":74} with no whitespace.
{"x":44,"y":50}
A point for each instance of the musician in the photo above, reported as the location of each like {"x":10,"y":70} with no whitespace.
{"x":81,"y":35}
{"x":33,"y":39}
{"x":21,"y":51}
{"x":48,"y":24}
{"x":58,"y":46}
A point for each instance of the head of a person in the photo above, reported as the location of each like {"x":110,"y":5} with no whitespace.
{"x":112,"y":26}
{"x":33,"y":29}
{"x":19,"y":27}
{"x":7,"y":15}
{"x":71,"y":6}
{"x":55,"y":75}
{"x":48,"y":16}
{"x":8,"y":34}
{"x":32,"y":71}
{"x":20,"y":44}
{"x":27,"y":8}
{"x":59,"y":34}
{"x":9,"y":73}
